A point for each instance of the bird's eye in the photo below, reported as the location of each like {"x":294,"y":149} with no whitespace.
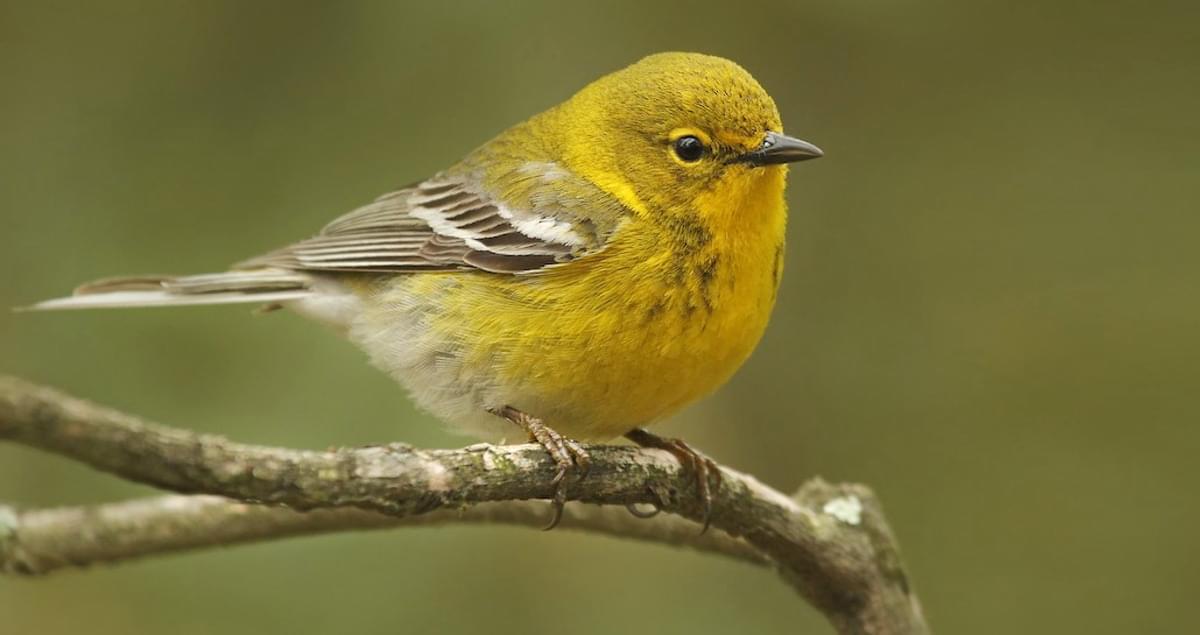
{"x":689,"y":149}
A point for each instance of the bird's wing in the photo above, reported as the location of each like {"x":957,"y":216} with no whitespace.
{"x":532,"y":217}
{"x":541,"y":216}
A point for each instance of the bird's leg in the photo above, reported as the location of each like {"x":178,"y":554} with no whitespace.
{"x":567,"y":453}
{"x":705,"y":470}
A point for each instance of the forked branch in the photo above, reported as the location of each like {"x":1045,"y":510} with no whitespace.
{"x":830,"y":542}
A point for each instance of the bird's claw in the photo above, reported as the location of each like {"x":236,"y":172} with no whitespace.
{"x":568,"y":455}
{"x":705,"y":470}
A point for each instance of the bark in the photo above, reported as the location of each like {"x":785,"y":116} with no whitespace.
{"x":830,"y":542}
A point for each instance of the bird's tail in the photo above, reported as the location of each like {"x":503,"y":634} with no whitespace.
{"x":232,"y":287}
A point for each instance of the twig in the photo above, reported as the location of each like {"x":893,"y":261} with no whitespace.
{"x":830,"y":542}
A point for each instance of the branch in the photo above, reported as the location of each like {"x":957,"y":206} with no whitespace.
{"x":41,"y":541}
{"x":830,"y":542}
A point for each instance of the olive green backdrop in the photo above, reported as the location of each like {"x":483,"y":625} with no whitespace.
{"x":990,"y":310}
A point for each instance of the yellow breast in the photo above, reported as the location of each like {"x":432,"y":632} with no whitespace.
{"x":624,"y":337}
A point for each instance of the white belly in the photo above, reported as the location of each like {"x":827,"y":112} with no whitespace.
{"x":395,"y":333}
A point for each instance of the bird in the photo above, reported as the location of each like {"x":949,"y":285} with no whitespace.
{"x":579,"y":277}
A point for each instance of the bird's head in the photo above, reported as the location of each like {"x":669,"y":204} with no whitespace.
{"x":677,"y":128}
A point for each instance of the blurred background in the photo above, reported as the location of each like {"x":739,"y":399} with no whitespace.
{"x":990,"y":310}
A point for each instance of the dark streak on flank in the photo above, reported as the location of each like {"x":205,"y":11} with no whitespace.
{"x":706,"y":269}
{"x":654,"y":311}
{"x":777,"y":270}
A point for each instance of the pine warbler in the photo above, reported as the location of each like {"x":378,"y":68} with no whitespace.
{"x":585,"y":273}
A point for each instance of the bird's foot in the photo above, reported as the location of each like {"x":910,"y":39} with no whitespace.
{"x":567,"y":453}
{"x":705,"y":470}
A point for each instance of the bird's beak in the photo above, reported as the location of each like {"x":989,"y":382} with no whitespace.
{"x":780,"y":148}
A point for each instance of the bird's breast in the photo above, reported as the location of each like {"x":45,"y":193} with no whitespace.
{"x":596,"y":346}
{"x":633,"y":334}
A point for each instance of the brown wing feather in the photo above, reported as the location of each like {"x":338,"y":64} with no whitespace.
{"x":441,"y":224}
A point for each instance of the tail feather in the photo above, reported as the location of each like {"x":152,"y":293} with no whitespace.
{"x":123,"y":283}
{"x":233,"y":287}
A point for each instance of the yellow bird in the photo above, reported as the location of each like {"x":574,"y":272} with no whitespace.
{"x":586,"y":273}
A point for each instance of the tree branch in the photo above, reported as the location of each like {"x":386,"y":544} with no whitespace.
{"x":41,"y":541}
{"x":830,"y":542}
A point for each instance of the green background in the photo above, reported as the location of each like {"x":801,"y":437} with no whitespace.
{"x":990,"y":308}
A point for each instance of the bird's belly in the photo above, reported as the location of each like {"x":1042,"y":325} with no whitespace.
{"x":591,"y":364}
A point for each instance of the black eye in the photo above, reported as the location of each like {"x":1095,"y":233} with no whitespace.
{"x":689,"y":148}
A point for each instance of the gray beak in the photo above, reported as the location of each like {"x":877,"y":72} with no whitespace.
{"x":780,"y":148}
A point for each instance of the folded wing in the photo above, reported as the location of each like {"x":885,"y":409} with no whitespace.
{"x":548,"y":218}
{"x":447,"y":223}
